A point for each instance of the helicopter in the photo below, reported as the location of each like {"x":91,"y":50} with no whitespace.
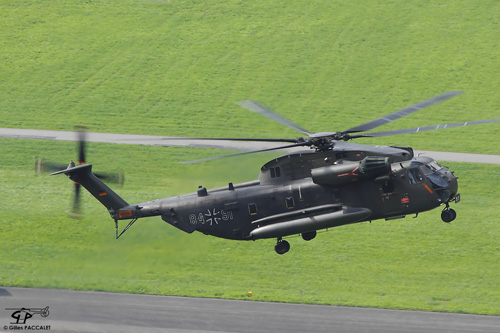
{"x":332,"y":184}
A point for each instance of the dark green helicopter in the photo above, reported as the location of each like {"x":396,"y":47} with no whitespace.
{"x":333,"y":184}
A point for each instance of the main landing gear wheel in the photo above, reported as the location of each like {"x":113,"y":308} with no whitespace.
{"x":448,"y":215}
{"x":307,"y":236}
{"x":282,"y":246}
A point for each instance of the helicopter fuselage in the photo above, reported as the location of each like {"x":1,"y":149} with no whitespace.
{"x":280,"y":204}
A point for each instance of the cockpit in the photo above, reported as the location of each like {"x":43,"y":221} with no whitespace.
{"x":441,"y":179}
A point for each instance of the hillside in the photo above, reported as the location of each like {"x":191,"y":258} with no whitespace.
{"x":177,"y":68}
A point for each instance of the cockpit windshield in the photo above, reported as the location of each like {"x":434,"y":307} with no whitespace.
{"x":432,"y":171}
{"x":430,"y":167}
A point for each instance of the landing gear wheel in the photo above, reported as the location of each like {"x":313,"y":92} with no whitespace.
{"x":453,"y":214}
{"x":282,"y":247}
{"x":307,"y":236}
{"x":448,"y":215}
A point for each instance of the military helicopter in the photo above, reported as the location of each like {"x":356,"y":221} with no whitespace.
{"x":335,"y":183}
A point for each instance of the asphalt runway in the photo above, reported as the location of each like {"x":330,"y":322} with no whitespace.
{"x":221,"y":144}
{"x":88,"y":311}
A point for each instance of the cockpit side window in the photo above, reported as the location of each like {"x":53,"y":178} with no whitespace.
{"x":415,"y":176}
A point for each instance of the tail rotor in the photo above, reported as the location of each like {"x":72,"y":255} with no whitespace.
{"x":42,"y":166}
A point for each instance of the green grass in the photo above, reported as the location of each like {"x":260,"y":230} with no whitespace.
{"x":176,"y":68}
{"x":418,"y":263}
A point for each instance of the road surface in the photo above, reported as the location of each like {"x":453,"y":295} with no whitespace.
{"x":235,"y":145}
{"x":88,"y":311}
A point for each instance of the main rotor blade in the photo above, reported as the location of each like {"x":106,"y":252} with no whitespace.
{"x":233,"y":139}
{"x":401,"y":113}
{"x":422,"y":129}
{"x":256,"y":107}
{"x":245,"y":153}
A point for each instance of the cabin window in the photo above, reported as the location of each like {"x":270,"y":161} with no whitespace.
{"x":289,"y":203}
{"x":415,"y":176}
{"x":252,"y":209}
{"x":275,"y":172}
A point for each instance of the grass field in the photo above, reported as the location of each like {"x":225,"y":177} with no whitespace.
{"x":176,"y":68}
{"x":409,"y":264}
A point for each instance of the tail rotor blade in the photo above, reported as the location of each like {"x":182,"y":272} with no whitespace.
{"x":75,"y":211}
{"x":43,"y":166}
{"x":116,"y":178}
{"x":81,"y":132}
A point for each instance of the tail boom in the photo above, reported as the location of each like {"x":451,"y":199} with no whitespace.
{"x":83,"y":175}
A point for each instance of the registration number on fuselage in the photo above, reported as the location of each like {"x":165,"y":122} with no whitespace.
{"x":211,"y":217}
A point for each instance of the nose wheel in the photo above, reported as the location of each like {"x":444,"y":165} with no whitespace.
{"x":282,"y":246}
{"x":448,"y":215}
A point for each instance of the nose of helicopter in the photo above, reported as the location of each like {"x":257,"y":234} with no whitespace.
{"x":445,"y":183}
{"x":452,"y":185}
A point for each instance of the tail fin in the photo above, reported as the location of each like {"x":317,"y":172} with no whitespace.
{"x":83,"y":175}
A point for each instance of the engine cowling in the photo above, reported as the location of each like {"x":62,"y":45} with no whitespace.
{"x":370,"y":167}
{"x":374,"y":166}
